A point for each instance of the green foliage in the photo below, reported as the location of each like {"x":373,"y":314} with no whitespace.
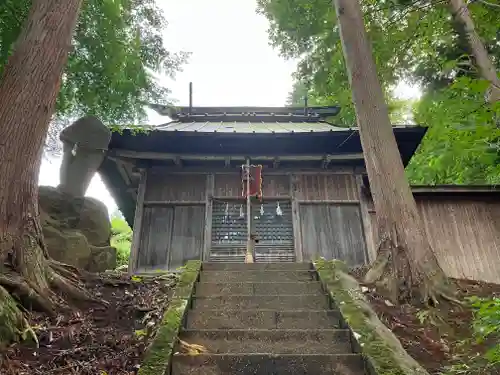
{"x":486,"y":331}
{"x":117,"y":51}
{"x":461,"y":145}
{"x":415,"y":41}
{"x":121,"y":239}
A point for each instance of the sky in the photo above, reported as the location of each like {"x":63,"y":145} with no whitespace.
{"x":231,"y":64}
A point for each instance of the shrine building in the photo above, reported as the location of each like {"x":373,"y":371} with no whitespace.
{"x":182,"y":186}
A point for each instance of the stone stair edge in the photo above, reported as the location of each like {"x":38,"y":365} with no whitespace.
{"x":265,"y":330}
{"x":259,"y":282}
{"x":270,"y":310}
{"x":258,"y":271}
{"x":270,"y":355}
{"x":262,"y":295}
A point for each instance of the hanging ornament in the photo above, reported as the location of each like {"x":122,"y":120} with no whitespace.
{"x":261,"y":210}
{"x":226,"y":213}
{"x":278,"y":210}
{"x":242,"y":215}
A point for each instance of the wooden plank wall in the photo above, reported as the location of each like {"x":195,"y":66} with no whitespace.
{"x":333,"y":187}
{"x":329,"y":218}
{"x":465,"y":235}
{"x":332,"y":231}
{"x":156,"y":236}
{"x":175,"y":186}
{"x":187,"y":235}
{"x":171,"y":236}
{"x":178,"y":214}
{"x":173,"y":223}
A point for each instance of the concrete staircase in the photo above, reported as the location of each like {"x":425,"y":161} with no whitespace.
{"x":265,"y":319}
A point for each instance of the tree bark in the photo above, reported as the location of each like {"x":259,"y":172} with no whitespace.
{"x":484,"y":63}
{"x":406,"y":264}
{"x":28,"y":91}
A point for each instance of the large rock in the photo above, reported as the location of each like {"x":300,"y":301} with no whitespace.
{"x":77,"y":230}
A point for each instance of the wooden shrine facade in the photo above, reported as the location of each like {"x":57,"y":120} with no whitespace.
{"x":180,"y":188}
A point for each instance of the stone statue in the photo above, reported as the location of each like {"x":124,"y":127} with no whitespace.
{"x":85,"y":143}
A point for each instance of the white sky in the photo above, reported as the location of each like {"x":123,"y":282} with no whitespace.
{"x":231,"y":64}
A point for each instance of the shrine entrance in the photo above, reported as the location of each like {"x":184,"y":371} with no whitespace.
{"x":272,"y":229}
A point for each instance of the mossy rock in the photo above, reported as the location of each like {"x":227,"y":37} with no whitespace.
{"x":77,"y":231}
{"x":378,"y":344}
{"x":87,"y":215}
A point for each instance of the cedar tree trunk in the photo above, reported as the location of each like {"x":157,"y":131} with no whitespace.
{"x":28,"y":90}
{"x":484,"y":63}
{"x":406,"y":264}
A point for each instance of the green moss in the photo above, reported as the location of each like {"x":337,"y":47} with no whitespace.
{"x":187,"y":279}
{"x":157,"y":360}
{"x":378,"y":344}
{"x":10,"y":319}
{"x":158,"y":357}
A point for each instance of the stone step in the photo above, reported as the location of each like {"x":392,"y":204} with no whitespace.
{"x":301,"y":341}
{"x":262,"y":319}
{"x":256,"y":276}
{"x":268,"y":364}
{"x":276,"y":302}
{"x":256,"y":266}
{"x":254,"y":288}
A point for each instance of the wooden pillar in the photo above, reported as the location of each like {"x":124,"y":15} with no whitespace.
{"x":367,"y":222}
{"x":297,"y":234}
{"x":138,"y":218}
{"x":208,"y":216}
{"x":249,"y":257}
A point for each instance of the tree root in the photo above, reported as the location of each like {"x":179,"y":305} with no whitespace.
{"x":26,"y":294}
{"x":73,"y":290}
{"x":403,"y":280}
{"x":19,"y":294}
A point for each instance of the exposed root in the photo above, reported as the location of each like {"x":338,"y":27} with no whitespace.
{"x":73,"y":290}
{"x":404,"y":280}
{"x":378,"y":268}
{"x":26,"y":294}
{"x":70,"y":271}
{"x":64,"y":271}
{"x":30,"y":282}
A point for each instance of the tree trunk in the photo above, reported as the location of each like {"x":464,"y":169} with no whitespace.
{"x":28,"y":91}
{"x":484,"y":63}
{"x":406,"y":264}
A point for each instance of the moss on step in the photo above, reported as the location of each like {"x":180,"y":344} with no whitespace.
{"x":378,"y":344}
{"x":157,"y":360}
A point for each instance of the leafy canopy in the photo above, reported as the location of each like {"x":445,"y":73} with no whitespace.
{"x":415,"y":41}
{"x":118,"y":50}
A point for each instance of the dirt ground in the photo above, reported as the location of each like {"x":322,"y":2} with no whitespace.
{"x":433,"y":338}
{"x":95,"y":340}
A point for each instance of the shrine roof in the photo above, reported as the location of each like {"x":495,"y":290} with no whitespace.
{"x":249,"y":126}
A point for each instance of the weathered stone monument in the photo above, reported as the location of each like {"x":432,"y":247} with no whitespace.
{"x":77,"y":229}
{"x":85,"y":143}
